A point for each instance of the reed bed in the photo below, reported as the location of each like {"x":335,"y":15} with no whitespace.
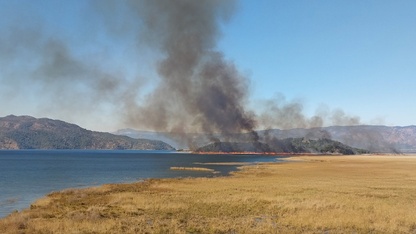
{"x":338,"y":194}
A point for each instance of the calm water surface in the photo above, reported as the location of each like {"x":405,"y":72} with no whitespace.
{"x":26,"y":175}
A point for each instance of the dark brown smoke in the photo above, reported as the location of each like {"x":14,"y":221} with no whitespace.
{"x":199,"y":90}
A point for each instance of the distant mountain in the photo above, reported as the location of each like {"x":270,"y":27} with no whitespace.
{"x":26,"y":132}
{"x":235,"y":147}
{"x":287,"y":145}
{"x":177,"y":140}
{"x":160,"y":136}
{"x":373,"y":138}
{"x":369,"y":137}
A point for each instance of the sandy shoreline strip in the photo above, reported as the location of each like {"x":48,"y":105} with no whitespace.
{"x":316,"y":194}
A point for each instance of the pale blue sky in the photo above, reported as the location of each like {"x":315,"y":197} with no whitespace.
{"x":358,"y":56}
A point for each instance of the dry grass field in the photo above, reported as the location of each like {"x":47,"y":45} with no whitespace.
{"x":316,"y":194}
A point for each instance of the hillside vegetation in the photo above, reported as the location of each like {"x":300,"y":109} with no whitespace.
{"x":288,"y":145}
{"x":25,"y":132}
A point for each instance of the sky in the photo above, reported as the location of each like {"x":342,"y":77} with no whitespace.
{"x":357,"y":57}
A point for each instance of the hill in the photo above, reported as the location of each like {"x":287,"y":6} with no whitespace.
{"x":370,"y":137}
{"x":234,"y":147}
{"x":288,"y":145}
{"x":374,"y":138}
{"x":26,"y":132}
{"x":160,"y":136}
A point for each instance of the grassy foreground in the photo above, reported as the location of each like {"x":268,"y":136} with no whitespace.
{"x":339,"y":194}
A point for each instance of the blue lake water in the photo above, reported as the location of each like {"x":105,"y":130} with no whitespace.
{"x":26,"y":175}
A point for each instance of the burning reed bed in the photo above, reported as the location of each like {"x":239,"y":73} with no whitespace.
{"x":338,"y":194}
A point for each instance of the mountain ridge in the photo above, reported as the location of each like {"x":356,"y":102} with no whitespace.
{"x":27,"y":132}
{"x":374,"y":138}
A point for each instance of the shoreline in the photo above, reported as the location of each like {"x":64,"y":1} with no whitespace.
{"x":22,"y":196}
{"x":288,"y":197}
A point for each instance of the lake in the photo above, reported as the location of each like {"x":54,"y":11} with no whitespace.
{"x":26,"y":175}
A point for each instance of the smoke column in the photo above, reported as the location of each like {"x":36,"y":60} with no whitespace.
{"x":199,"y":91}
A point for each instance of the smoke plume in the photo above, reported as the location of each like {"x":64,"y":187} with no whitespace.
{"x":199,"y":91}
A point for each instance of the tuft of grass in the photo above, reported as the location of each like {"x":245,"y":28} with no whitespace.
{"x":319,"y":194}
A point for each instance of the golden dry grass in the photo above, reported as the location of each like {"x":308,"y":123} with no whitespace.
{"x":338,"y":194}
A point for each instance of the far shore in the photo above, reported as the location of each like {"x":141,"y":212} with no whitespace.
{"x":317,"y":194}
